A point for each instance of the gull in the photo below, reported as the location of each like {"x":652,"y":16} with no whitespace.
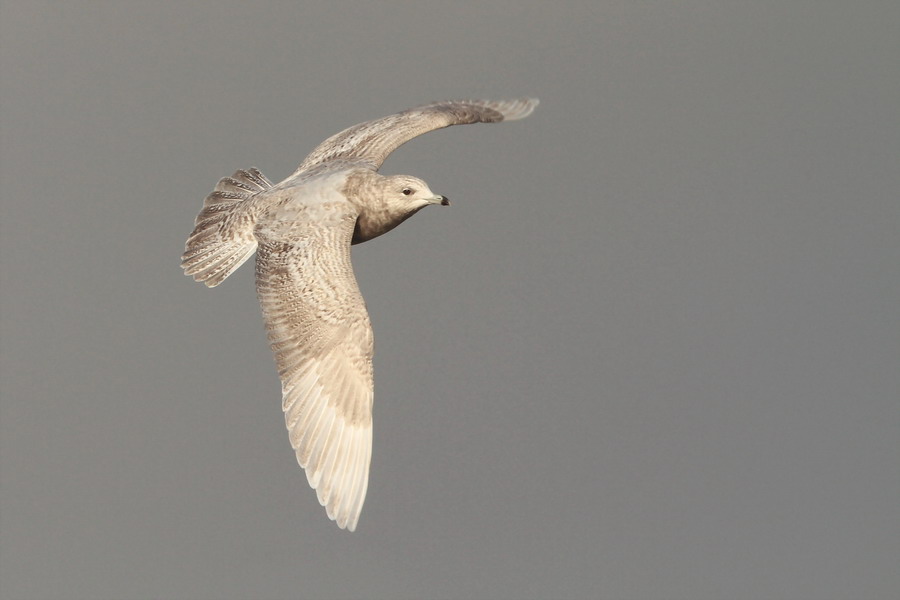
{"x":318,"y":328}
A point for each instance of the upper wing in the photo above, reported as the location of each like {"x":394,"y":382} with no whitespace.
{"x":321,"y":336}
{"x":372,"y":141}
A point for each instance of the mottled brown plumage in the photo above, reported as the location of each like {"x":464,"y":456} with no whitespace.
{"x":315,"y":316}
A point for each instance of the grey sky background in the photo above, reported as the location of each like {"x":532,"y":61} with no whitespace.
{"x":650,"y":352}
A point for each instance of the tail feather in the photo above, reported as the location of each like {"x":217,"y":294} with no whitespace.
{"x":221,"y":242}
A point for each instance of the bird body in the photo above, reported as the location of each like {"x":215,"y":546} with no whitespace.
{"x":318,"y":328}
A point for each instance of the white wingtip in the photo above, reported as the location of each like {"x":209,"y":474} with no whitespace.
{"x":513,"y":110}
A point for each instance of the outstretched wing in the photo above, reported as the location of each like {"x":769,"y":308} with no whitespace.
{"x":321,"y":336}
{"x":371,"y":142}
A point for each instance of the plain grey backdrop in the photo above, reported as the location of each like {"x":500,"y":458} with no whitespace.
{"x":650,"y":352}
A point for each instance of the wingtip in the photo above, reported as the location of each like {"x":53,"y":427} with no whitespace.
{"x":513,"y":110}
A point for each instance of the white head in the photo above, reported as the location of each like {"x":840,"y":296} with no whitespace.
{"x":385,"y":202}
{"x":410,"y":193}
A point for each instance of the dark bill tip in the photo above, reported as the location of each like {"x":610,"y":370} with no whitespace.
{"x":445,"y":201}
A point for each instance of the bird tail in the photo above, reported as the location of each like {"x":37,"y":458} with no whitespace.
{"x":221,"y":241}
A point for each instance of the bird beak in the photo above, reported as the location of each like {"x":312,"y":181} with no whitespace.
{"x":442,"y":200}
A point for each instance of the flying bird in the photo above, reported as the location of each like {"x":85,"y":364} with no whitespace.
{"x":318,"y":328}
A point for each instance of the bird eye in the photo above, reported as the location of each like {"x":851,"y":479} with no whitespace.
{"x":406,"y":191}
